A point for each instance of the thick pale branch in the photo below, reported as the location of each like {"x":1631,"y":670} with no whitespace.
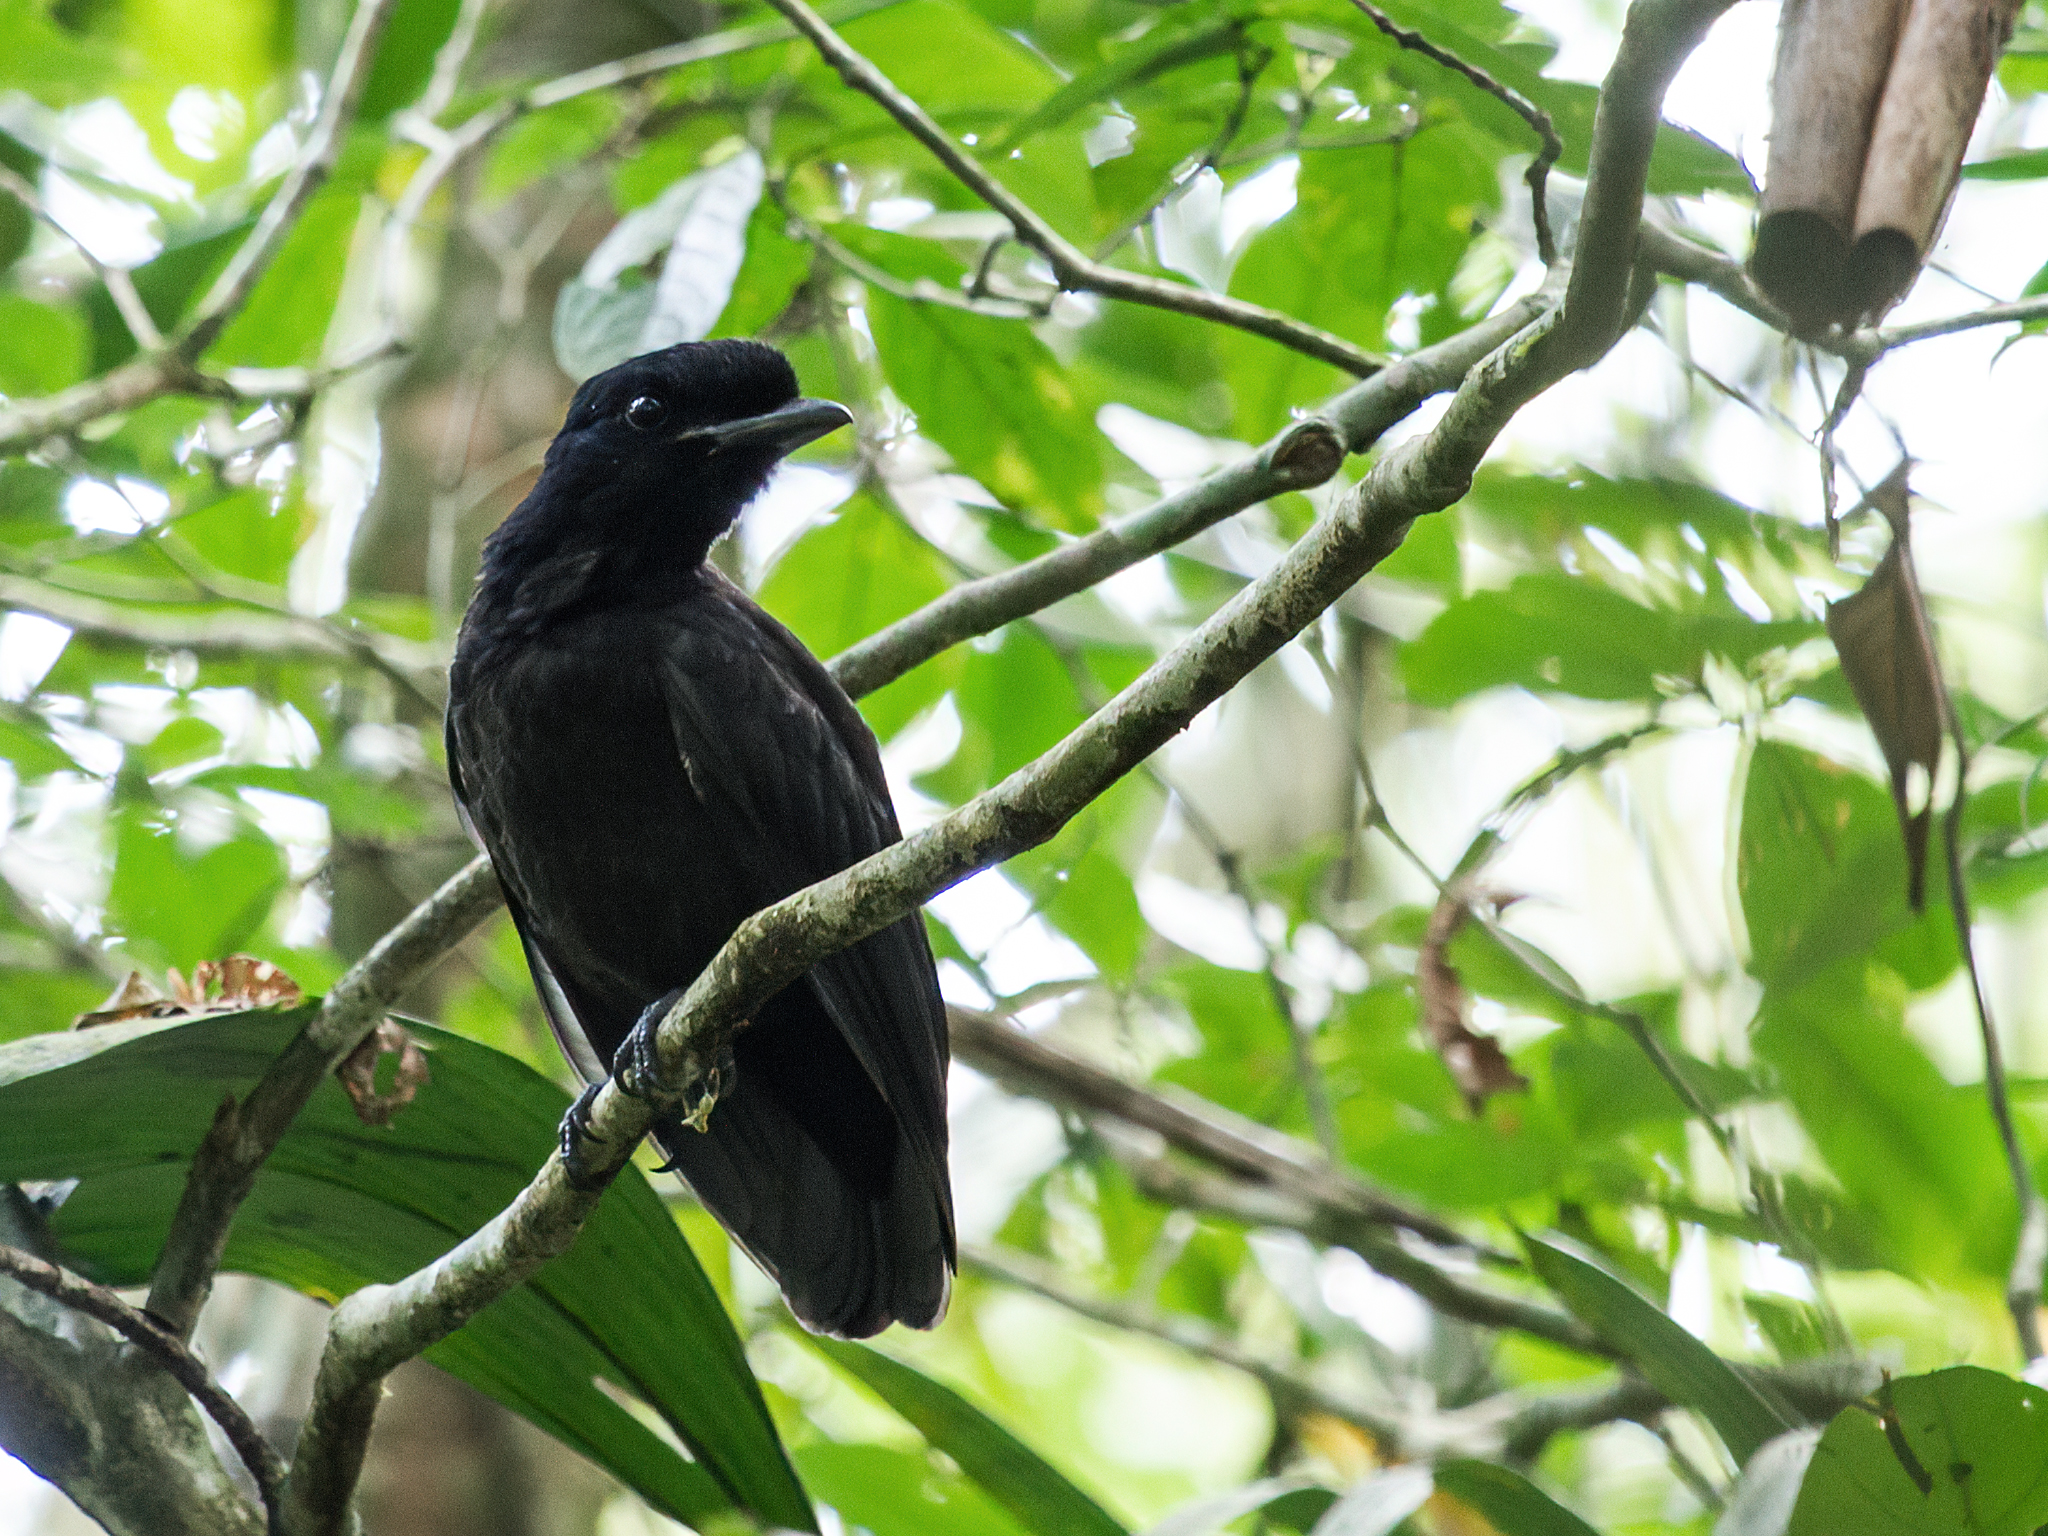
{"x":1071,"y":268}
{"x":184,"y":1367}
{"x":100,"y":1418}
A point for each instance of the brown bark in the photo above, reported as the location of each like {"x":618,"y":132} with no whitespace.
{"x":1939,"y":74}
{"x":1833,"y":59}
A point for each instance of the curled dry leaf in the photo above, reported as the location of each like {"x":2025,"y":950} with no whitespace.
{"x":1887,"y":651}
{"x":358,"y":1073}
{"x":1476,"y":1062}
{"x":233,"y":985}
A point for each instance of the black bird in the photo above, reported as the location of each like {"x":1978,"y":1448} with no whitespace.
{"x":649,"y":758}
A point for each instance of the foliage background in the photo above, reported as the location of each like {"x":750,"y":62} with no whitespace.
{"x":1642,"y":554}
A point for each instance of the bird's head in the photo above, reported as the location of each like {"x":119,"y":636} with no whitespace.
{"x":659,"y":455}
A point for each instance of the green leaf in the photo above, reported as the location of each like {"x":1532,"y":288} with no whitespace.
{"x":899,"y":1493}
{"x":1369,"y":225}
{"x":2025,"y":165}
{"x":1512,"y":1504}
{"x":772,"y":270}
{"x":340,"y":1205}
{"x":1966,"y":1453}
{"x":987,"y":391}
{"x":45,"y":348}
{"x":1679,"y":1365}
{"x":1037,"y":1495}
{"x":190,"y":906}
{"x":1157,"y":53}
{"x":285,"y":320}
{"x":1822,"y":874}
{"x":856,"y":574}
{"x":1550,"y":631}
{"x":1916,"y":1155}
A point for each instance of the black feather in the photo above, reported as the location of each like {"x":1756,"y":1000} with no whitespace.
{"x":649,"y":758}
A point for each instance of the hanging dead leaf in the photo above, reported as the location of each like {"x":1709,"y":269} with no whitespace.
{"x":1887,"y":651}
{"x":1476,"y":1062}
{"x":358,"y":1073}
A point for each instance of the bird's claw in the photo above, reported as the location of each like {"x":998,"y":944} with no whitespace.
{"x":576,"y":1132}
{"x":636,"y":1068}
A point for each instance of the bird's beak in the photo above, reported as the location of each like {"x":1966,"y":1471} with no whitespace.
{"x":782,"y":430}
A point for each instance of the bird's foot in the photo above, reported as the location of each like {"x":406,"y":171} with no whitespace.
{"x":576,"y":1133}
{"x":637,"y":1069}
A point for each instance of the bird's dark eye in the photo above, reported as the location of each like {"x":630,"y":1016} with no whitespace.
{"x":646,"y":411}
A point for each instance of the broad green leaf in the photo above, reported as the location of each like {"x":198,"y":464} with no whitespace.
{"x":2025,"y":165}
{"x":167,"y":284}
{"x":1550,"y":631}
{"x":1822,"y":875}
{"x":1512,"y":1504}
{"x":1016,"y":701}
{"x":1966,"y":1455}
{"x":190,"y":906}
{"x":1680,"y":1366}
{"x":772,"y":270}
{"x":986,"y":390}
{"x":899,"y":1493}
{"x":45,"y":347}
{"x":1037,"y":1495}
{"x":56,"y":64}
{"x":405,"y":55}
{"x":1369,"y":225}
{"x":340,"y":1205}
{"x":1157,"y":53}
{"x":1916,"y":1156}
{"x":856,"y":574}
{"x":285,"y":320}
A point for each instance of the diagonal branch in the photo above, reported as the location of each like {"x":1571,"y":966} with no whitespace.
{"x":1072,"y":269}
{"x":1298,"y":457}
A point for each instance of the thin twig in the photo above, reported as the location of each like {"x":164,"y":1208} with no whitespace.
{"x":1551,"y":146}
{"x":1071,"y":268}
{"x":184,"y":1367}
{"x":1315,"y":1092}
{"x":119,"y":285}
{"x":1290,"y":1390}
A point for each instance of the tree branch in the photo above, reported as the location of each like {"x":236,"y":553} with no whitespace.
{"x":243,"y":1136}
{"x":100,"y":1418}
{"x":173,"y":367}
{"x":184,"y":1367}
{"x":1298,"y":457}
{"x":1072,"y":269}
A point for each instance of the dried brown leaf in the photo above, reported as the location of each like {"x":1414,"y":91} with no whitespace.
{"x":358,"y":1073}
{"x":1887,"y":651}
{"x":1476,"y":1062}
{"x":233,"y":985}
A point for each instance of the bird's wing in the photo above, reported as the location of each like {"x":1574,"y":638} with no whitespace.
{"x":562,"y":1021}
{"x":778,"y":754}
